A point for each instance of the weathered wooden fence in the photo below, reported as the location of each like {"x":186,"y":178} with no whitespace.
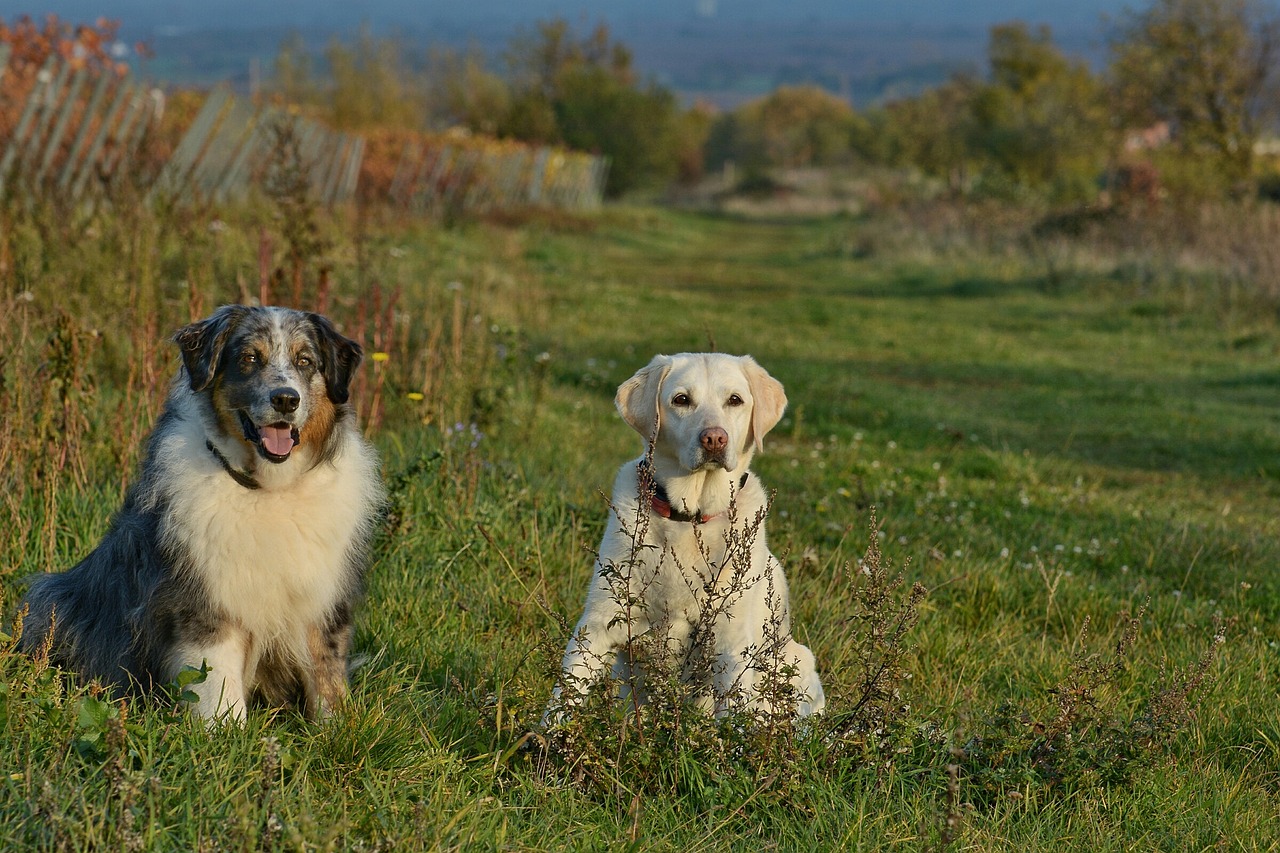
{"x":438,"y":175}
{"x":227,"y":149}
{"x":79,"y":130}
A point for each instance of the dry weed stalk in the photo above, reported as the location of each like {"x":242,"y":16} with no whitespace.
{"x":1086,"y":736}
{"x":663,"y":729}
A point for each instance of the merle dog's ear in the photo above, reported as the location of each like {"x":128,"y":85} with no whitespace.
{"x":202,"y":342}
{"x":638,"y":398}
{"x":339,"y":355}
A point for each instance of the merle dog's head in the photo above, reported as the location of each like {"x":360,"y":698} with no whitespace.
{"x":275,"y":376}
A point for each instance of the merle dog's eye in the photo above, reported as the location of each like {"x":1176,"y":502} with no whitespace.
{"x":303,"y":361}
{"x":680,"y":400}
{"x":735,"y":400}
{"x":249,"y":358}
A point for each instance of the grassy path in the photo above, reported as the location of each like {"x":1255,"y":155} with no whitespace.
{"x":1038,"y":458}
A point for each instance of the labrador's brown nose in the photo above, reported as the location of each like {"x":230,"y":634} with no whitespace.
{"x":714,"y":440}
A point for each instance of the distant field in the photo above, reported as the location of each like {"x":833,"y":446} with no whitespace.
{"x":1036,"y":456}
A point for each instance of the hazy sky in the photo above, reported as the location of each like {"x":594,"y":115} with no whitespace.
{"x":250,"y":14}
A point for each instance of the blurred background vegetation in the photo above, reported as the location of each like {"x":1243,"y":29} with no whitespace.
{"x":1181,"y":104}
{"x":1183,"y":107}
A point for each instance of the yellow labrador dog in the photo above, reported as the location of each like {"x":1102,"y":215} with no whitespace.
{"x":684,"y":556}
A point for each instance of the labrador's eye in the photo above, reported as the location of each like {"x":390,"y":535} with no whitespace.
{"x":735,"y":400}
{"x":680,"y":400}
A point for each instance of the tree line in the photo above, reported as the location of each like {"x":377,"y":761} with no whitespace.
{"x":1183,"y":104}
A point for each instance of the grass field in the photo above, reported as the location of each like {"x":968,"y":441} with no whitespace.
{"x":1049,"y":458}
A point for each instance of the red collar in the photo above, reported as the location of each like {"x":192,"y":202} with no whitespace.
{"x":663,"y":508}
{"x":661,"y":503}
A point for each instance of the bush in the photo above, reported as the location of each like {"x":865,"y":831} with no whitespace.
{"x":792,"y":126}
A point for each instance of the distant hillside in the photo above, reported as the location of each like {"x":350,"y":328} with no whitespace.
{"x":251,"y":14}
{"x":720,"y":51}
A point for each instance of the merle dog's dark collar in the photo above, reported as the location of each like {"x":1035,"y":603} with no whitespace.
{"x":242,"y":477}
{"x":660,"y":501}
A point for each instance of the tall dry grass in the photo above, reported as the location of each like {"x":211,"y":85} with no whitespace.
{"x":90,"y":295}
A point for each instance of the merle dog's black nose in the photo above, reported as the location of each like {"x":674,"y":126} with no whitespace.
{"x":285,"y":400}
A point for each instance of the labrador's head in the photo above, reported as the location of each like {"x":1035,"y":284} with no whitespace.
{"x":703,"y":410}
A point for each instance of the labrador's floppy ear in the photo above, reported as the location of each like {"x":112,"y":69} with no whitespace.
{"x":637,"y":399}
{"x":769,"y":400}
{"x":202,"y":342}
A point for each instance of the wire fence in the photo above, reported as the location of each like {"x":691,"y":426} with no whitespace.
{"x":77,"y":132}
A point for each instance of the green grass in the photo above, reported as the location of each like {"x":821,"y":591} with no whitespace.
{"x":1037,"y":457}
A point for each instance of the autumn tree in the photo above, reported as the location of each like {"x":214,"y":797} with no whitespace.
{"x":464,"y":91}
{"x":374,"y":84}
{"x":369,"y":83}
{"x":560,"y":89}
{"x":294,"y":77}
{"x":1208,"y":67}
{"x":31,"y":43}
{"x":791,"y":126}
{"x":933,"y":132}
{"x":584,"y":93}
{"x":1040,"y":121}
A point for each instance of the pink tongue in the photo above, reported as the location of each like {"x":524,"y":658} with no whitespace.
{"x":277,"y":440}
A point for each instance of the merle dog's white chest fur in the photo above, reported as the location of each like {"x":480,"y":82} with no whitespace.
{"x":274,"y":556}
